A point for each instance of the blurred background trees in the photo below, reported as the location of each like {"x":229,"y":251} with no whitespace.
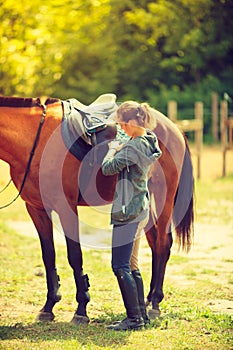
{"x":146,"y":50}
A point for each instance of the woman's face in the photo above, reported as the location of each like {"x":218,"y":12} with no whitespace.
{"x":123,"y":125}
{"x":130,"y":128}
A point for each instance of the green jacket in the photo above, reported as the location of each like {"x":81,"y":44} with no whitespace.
{"x":131,"y":163}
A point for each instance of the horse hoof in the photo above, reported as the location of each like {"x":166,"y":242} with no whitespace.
{"x":79,"y":319}
{"x":153,"y":314}
{"x":45,"y":316}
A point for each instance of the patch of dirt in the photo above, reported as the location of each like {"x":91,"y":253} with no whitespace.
{"x":211,"y":162}
{"x":221,"y":305}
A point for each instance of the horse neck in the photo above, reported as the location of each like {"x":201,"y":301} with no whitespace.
{"x":17,"y":130}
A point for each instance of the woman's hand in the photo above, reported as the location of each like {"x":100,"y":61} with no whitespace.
{"x":116,"y":145}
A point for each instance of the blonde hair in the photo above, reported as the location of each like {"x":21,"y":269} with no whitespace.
{"x":137,"y":111}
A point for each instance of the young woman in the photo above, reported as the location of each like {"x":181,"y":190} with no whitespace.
{"x":130,"y":209}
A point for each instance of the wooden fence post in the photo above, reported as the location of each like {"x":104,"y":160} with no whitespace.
{"x":172,"y":110}
{"x":187,"y":125}
{"x":199,"y":135}
{"x":223,"y":128}
{"x":215,"y":116}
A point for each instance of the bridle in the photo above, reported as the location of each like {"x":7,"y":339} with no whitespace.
{"x":30,"y":157}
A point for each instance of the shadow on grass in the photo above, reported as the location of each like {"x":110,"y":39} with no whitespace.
{"x":93,"y":333}
{"x":42,"y":332}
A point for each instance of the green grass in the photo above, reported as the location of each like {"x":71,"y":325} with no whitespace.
{"x":186,"y":323}
{"x":214,"y":200}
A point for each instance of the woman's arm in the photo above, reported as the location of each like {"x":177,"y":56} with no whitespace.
{"x":115,"y":159}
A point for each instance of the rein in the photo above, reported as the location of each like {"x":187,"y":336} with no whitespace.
{"x":29,"y":160}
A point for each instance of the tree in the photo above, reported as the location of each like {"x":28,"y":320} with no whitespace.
{"x":191,"y":37}
{"x":136,"y":49}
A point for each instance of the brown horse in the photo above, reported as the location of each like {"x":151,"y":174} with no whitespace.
{"x":49,"y":178}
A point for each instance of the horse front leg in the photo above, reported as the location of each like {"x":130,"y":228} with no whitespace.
{"x":81,"y":280}
{"x":70,"y":226}
{"x":44,"y":228}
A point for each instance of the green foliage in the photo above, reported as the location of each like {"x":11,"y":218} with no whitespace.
{"x":145,"y":50}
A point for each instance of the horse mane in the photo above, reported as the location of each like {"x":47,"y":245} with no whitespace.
{"x":19,"y":102}
{"x":24,"y":102}
{"x":51,"y":100}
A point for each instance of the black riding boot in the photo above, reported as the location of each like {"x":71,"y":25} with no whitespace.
{"x":140,"y":288}
{"x":129,"y":293}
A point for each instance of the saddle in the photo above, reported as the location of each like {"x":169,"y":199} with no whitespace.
{"x":80,"y":121}
{"x":96,"y":114}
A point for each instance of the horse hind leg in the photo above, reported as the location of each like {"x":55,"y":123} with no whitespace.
{"x":43,"y":225}
{"x":151,"y":235}
{"x":160,"y":243}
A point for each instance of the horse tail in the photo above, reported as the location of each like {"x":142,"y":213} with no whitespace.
{"x":183,"y":211}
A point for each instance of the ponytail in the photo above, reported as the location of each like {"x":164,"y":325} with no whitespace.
{"x":149,"y":121}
